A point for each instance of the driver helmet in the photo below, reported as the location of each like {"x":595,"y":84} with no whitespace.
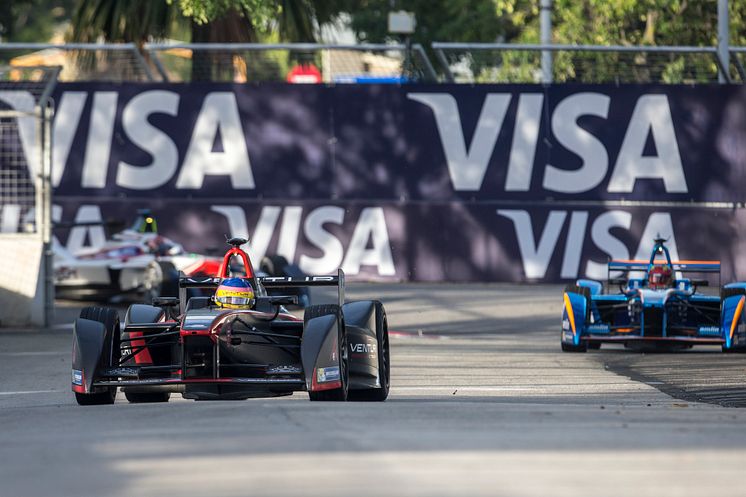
{"x":660,"y":277}
{"x":235,"y":293}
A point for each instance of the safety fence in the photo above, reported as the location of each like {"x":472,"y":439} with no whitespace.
{"x":510,"y":63}
{"x":445,"y":182}
{"x":377,"y":63}
{"x":738,"y":58}
{"x":26,"y":292}
{"x":228,"y":62}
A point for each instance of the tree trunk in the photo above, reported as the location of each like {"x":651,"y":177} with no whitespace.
{"x":217,"y":65}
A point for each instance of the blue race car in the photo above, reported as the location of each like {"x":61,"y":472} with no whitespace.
{"x":659,"y":309}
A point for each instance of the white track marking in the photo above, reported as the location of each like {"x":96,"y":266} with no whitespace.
{"x":28,"y":392}
{"x":23,"y":354}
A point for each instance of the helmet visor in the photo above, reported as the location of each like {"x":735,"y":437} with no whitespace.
{"x":234,"y":300}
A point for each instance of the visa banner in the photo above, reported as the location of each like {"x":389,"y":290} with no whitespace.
{"x":410,"y":182}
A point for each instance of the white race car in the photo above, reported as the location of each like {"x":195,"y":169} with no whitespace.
{"x":138,"y":264}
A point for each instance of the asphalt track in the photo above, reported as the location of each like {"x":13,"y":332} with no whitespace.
{"x":483,"y":403}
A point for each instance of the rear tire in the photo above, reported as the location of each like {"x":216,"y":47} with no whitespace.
{"x":729,"y":292}
{"x":384,"y":364}
{"x":161,"y":279}
{"x":273,"y":265}
{"x":170,"y":282}
{"x":110,"y":319}
{"x":147,"y":397}
{"x":736,"y":350}
{"x":337,"y":394}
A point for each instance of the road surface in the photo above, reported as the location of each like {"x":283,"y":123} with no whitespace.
{"x":482,"y":403}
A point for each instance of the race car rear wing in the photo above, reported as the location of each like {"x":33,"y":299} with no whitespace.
{"x":683,"y":266}
{"x":300,"y":281}
{"x":270,"y":282}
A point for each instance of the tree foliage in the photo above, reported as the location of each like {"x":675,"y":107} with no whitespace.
{"x":131,"y":21}
{"x":33,"y":20}
{"x":441,"y":20}
{"x":637,"y":22}
{"x":575,"y":22}
{"x":581,"y":22}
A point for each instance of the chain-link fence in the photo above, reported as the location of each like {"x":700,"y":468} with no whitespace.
{"x":370,"y":63}
{"x":508,"y":63}
{"x":738,"y":63}
{"x":79,"y":61}
{"x":26,"y":290}
{"x":225,"y":62}
{"x":293,"y":62}
{"x":24,"y":100}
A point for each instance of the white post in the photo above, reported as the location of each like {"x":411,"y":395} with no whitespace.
{"x":723,"y":40}
{"x":545,"y":21}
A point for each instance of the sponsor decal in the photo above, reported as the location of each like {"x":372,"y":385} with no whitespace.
{"x":363,"y":348}
{"x":77,"y":377}
{"x":284,"y":369}
{"x":197,"y":322}
{"x":566,"y":325}
{"x":597,"y":328}
{"x":536,"y":255}
{"x":319,"y":206}
{"x":324,"y":375}
{"x":200,"y":281}
{"x":709,"y":330}
{"x":304,"y":279}
{"x":64,"y":273}
{"x":651,"y":117}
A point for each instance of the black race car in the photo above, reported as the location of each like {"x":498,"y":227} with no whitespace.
{"x":195,"y":347}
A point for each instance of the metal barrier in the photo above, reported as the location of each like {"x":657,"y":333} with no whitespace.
{"x":511,"y":63}
{"x":250,"y":62}
{"x":26,"y":295}
{"x":81,"y":61}
{"x":228,"y":62}
{"x":738,"y":61}
{"x":366,"y":63}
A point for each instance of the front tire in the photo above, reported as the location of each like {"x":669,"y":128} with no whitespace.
{"x":147,"y":397}
{"x":337,"y":394}
{"x":586,"y":293}
{"x":567,"y":347}
{"x":384,"y":364}
{"x":96,"y":399}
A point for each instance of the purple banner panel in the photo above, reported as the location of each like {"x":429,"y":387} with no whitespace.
{"x":435,"y":241}
{"x":410,"y":142}
{"x":410,"y":182}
